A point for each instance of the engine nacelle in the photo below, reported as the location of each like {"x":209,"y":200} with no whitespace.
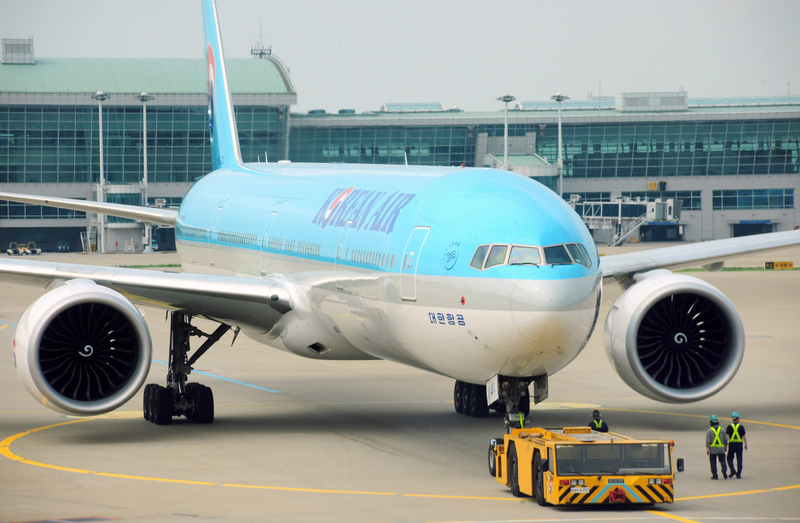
{"x":82,"y":349}
{"x":674,"y":338}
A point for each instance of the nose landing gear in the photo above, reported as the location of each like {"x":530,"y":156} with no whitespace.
{"x":178,"y":398}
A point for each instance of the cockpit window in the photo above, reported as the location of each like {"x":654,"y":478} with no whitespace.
{"x":487,"y":256}
{"x":577,"y":255}
{"x":497,"y":256}
{"x":524,"y":255}
{"x":478,"y":257}
{"x":585,"y":255}
{"x":556,"y":254}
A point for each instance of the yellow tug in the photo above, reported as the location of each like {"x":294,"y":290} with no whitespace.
{"x":578,"y":466}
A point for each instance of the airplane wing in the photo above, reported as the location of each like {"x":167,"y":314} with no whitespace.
{"x":135,"y":212}
{"x":254,"y":304}
{"x":709,"y":255}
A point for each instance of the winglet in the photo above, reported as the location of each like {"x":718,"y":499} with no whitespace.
{"x":222,"y":122}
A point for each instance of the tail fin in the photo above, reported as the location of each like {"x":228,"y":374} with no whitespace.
{"x":222,"y":122}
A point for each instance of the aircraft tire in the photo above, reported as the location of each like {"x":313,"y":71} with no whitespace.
{"x":477,"y":399}
{"x":147,"y":403}
{"x":457,"y":392}
{"x":204,"y":398}
{"x":190,"y":389}
{"x":162,"y":406}
{"x":466,"y":404}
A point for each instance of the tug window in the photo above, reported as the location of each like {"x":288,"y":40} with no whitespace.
{"x":478,"y":257}
{"x":497,"y":256}
{"x":524,"y":256}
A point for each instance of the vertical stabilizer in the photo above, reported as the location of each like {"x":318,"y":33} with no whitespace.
{"x":222,"y":122}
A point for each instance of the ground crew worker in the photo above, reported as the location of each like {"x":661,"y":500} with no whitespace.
{"x":716,"y":446}
{"x":597,"y":422}
{"x":736,"y":436}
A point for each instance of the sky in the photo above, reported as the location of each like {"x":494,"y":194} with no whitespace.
{"x":359,"y":54}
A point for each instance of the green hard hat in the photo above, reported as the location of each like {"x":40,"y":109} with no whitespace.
{"x":713,"y":418}
{"x":735,"y":415}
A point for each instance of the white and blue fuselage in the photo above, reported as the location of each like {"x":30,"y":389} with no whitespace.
{"x":386,"y":259}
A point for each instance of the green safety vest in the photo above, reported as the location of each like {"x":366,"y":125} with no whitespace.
{"x":735,"y":437}
{"x":598,"y":423}
{"x":716,"y":442}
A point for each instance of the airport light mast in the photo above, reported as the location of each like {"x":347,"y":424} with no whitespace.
{"x":144,"y":98}
{"x":506,"y":98}
{"x":558,"y":97}
{"x":100,"y":96}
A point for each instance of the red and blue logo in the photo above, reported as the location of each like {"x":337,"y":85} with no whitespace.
{"x":367,"y":209}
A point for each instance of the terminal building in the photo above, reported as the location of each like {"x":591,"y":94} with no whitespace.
{"x":721,"y":166}
{"x":50,"y":137}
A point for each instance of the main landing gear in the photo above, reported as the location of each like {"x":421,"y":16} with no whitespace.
{"x":179,"y":398}
{"x":471,"y":400}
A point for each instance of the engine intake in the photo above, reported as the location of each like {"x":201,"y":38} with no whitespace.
{"x":674,"y":338}
{"x":82,"y":349}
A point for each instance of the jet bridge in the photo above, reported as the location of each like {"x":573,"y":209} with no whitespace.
{"x":622,"y":218}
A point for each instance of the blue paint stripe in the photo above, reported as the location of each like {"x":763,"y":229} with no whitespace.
{"x":227,"y":379}
{"x":608,"y":486}
{"x":9,"y":324}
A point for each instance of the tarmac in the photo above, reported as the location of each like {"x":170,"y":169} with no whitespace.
{"x":370,"y":442}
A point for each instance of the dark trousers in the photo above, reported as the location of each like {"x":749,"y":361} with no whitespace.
{"x":712,"y":458}
{"x":735,"y":449}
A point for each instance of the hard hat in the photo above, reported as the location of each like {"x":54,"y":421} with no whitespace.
{"x":713,"y":418}
{"x":735,"y":415}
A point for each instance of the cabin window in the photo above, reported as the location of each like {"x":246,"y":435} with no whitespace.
{"x":556,"y":254}
{"x":479,"y":256}
{"x":497,"y":256}
{"x":521,"y":255}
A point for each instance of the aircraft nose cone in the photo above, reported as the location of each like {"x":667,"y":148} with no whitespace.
{"x":546,"y":311}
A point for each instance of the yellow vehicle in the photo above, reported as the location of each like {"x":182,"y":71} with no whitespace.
{"x":578,"y":466}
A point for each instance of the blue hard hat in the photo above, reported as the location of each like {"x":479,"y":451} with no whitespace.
{"x":735,"y":415}
{"x":713,"y":418}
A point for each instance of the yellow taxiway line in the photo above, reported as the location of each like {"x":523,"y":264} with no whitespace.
{"x":5,"y":450}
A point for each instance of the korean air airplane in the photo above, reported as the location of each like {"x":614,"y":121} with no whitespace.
{"x":481,"y":275}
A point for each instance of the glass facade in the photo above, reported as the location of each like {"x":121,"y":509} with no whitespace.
{"x":25,"y":211}
{"x":445,"y":145}
{"x":655,"y":150}
{"x":60,"y":144}
{"x":728,"y":200}
{"x":592,"y":150}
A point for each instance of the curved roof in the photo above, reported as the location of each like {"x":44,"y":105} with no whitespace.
{"x":115,"y":75}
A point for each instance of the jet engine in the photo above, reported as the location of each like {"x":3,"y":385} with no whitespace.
{"x":674,"y":338}
{"x":82,"y":349}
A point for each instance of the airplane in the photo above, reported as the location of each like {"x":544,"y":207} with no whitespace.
{"x":481,"y":275}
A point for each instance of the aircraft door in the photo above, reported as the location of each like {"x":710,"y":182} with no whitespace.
{"x":341,"y":253}
{"x":211,"y":233}
{"x":408,"y":269}
{"x":265,"y":242}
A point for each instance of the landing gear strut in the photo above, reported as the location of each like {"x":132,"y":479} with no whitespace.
{"x":514,"y":393}
{"x":179,"y":398}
